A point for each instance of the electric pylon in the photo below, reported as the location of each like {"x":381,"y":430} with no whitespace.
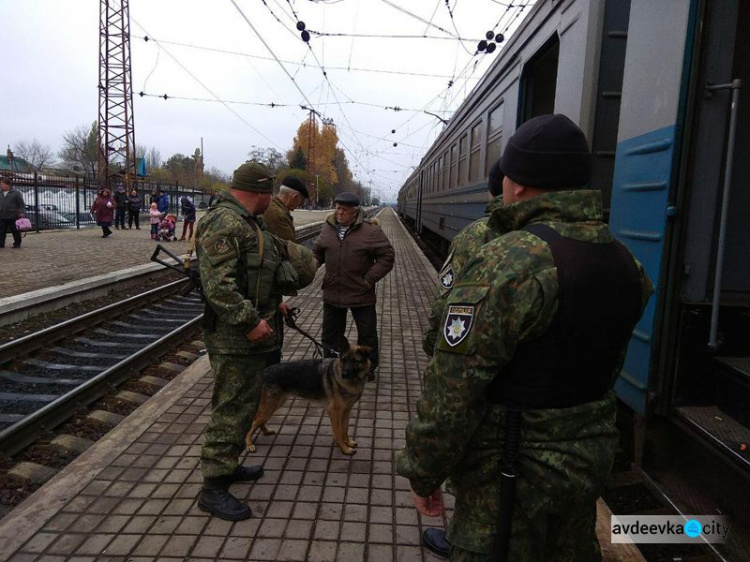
{"x":116,"y":133}
{"x":312,"y":133}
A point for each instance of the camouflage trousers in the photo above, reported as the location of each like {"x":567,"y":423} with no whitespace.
{"x":569,"y":537}
{"x":234,"y":402}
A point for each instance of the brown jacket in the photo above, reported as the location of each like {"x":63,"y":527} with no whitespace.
{"x":354,"y":264}
{"x":279,"y":220}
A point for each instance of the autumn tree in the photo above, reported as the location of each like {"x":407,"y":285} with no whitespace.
{"x":297,"y":159}
{"x":321,"y":142}
{"x":80,"y":150}
{"x":38,"y":155}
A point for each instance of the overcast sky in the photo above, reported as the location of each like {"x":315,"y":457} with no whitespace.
{"x":207,"y":50}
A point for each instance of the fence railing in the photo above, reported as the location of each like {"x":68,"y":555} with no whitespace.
{"x":54,"y":202}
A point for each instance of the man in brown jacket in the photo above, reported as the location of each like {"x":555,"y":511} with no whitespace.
{"x":278,"y":216}
{"x":357,"y":255}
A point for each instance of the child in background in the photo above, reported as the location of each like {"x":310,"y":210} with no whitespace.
{"x":155,"y":219}
{"x":167,"y":227}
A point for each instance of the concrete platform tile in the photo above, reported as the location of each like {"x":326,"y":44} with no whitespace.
{"x":218,"y":527}
{"x":331,"y":511}
{"x":380,"y":553}
{"x":248,"y":527}
{"x":192,"y":526}
{"x":293,"y":551}
{"x":381,"y":534}
{"x":279,"y":509}
{"x":353,"y":532}
{"x":178,"y":546}
{"x":305,"y":510}
{"x":322,"y":551}
{"x":139,"y":524}
{"x":165,"y":525}
{"x":39,"y":542}
{"x":128,"y":506}
{"x":113,"y":523}
{"x":356,"y":513}
{"x":95,"y":544}
{"x":265,"y":549}
{"x":151,"y":545}
{"x":66,"y":543}
{"x":60,"y":522}
{"x":272,"y":528}
{"x":236,"y":548}
{"x":23,"y":557}
{"x":408,"y":554}
{"x":327,"y":530}
{"x":351,"y":551}
{"x":210,"y":547}
{"x":297,"y":529}
{"x":408,"y":534}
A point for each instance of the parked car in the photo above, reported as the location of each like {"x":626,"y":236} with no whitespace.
{"x":47,"y":219}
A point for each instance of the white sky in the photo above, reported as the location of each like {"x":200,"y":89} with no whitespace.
{"x":50,"y":74}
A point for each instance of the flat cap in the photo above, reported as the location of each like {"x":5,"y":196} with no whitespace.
{"x":253,"y":176}
{"x":548,"y":152}
{"x":295,"y":183}
{"x":347,"y":198}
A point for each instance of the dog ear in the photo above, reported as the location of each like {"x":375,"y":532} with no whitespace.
{"x":343,"y":344}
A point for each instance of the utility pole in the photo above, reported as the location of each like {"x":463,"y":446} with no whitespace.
{"x":116,"y":132}
{"x":311,"y":136}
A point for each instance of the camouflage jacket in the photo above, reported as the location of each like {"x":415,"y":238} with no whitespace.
{"x":279,"y":220}
{"x":463,"y":247}
{"x":239,"y":287}
{"x":566,"y":454}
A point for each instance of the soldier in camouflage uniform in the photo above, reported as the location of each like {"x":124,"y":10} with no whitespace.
{"x":528,"y":326}
{"x":238,"y":263}
{"x":463,"y":247}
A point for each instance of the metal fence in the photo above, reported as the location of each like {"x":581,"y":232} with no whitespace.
{"x":65,"y":202}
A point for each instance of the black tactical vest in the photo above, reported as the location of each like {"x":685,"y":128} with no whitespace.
{"x":599,"y":303}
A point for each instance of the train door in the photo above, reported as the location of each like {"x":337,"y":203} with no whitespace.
{"x":644,"y":176}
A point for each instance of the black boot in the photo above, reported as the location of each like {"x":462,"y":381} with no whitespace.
{"x":434,"y":540}
{"x":247,"y":473}
{"x":216,"y":499}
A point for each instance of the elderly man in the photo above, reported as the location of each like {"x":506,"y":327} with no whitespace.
{"x":278,"y":216}
{"x":357,"y":255}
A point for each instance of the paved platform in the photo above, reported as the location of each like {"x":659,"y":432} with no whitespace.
{"x":50,"y":258}
{"x":132,"y":496}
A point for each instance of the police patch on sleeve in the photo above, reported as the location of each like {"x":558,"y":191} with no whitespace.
{"x":221,"y":246}
{"x":458,"y":323}
{"x":446,"y":274}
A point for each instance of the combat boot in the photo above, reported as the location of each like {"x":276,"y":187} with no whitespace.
{"x":434,"y":539}
{"x":247,"y":473}
{"x":216,"y":499}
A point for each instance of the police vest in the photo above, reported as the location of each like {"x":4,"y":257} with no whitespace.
{"x":599,"y":303}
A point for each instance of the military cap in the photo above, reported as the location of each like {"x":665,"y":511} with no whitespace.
{"x":548,"y":152}
{"x":347,"y":198}
{"x":295,"y":183}
{"x":253,"y":176}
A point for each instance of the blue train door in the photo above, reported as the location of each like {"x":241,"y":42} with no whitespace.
{"x":645,"y":165}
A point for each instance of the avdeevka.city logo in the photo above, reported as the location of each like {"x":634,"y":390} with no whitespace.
{"x":669,"y":528}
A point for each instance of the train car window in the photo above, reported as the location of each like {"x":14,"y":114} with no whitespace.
{"x":463,"y":148}
{"x":445,"y":171}
{"x":439,"y":174}
{"x":454,"y":166}
{"x":495,"y":136}
{"x":539,"y":81}
{"x":474,"y":161}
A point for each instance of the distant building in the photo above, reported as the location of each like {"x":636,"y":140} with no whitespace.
{"x":19,"y":165}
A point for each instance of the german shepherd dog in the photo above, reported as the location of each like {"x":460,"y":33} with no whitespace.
{"x":336,"y":384}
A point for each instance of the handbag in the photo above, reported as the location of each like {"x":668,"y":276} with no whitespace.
{"x":23,"y":224}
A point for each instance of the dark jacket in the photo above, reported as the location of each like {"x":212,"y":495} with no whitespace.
{"x":100,"y":209}
{"x":134,"y":203}
{"x":121,"y":198}
{"x":354,"y":264}
{"x":163,"y":203}
{"x":11,"y":205}
{"x":188,"y":209}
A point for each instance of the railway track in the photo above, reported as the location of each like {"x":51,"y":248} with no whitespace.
{"x":47,"y":376}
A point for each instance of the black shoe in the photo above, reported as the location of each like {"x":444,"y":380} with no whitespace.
{"x":219,"y":502}
{"x":16,"y":246}
{"x":247,"y":473}
{"x":434,"y":540}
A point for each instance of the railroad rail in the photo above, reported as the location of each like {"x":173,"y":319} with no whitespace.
{"x":47,"y":376}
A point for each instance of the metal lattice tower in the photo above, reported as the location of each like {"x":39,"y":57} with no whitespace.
{"x":116,"y":138}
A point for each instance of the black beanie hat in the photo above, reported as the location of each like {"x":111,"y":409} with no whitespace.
{"x":548,"y":152}
{"x":295,"y":183}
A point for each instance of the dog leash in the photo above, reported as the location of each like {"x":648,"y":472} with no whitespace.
{"x":320,"y":349}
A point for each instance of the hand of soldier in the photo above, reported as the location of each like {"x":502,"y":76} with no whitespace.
{"x":284,"y":309}
{"x":431,"y":506}
{"x":260,"y":332}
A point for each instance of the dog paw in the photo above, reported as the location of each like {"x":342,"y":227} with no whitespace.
{"x":250,"y":448}
{"x":348,"y":450}
{"x":351,"y":442}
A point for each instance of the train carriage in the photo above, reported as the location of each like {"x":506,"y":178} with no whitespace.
{"x":656,"y":87}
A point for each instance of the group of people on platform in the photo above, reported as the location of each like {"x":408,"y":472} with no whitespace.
{"x":535,"y":306}
{"x":108,"y":209}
